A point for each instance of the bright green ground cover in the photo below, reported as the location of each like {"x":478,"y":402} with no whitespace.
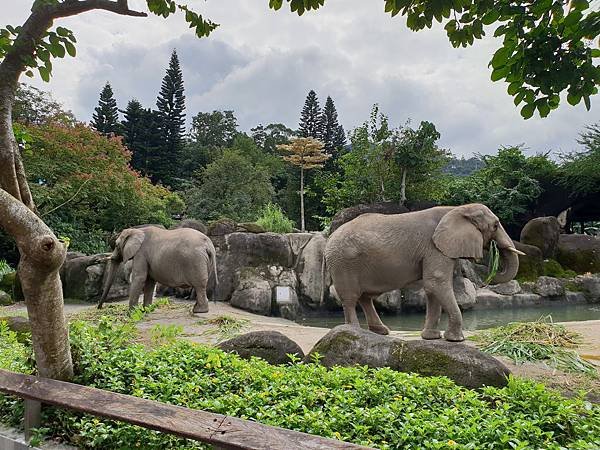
{"x":380,"y":408}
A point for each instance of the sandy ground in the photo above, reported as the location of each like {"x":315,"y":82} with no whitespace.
{"x":196,"y":329}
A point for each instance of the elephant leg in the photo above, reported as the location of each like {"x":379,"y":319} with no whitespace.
{"x":350,"y":316}
{"x":437,"y":281}
{"x":201,"y":305}
{"x":149,"y":291}
{"x":432,"y":320}
{"x":139,"y":274}
{"x":373,"y":320}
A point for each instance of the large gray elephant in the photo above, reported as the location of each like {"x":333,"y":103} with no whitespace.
{"x":377,"y":253}
{"x":181,"y":257}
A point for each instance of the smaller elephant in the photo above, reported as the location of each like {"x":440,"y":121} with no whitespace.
{"x":181,"y":257}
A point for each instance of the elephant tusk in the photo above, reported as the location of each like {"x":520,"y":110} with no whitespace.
{"x":514,"y":250}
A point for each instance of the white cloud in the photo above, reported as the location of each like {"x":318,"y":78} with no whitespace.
{"x":261,"y":64}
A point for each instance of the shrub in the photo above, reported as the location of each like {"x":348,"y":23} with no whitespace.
{"x":374,"y":407}
{"x":273,"y":219}
{"x":553,"y":268}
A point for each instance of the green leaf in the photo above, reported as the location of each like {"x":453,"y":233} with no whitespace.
{"x":514,"y":87}
{"x":500,"y":73}
{"x":596,"y":53}
{"x":527,"y":110}
{"x":573,"y":99}
{"x":44,"y":73}
{"x":70,"y":49}
{"x":586,"y":100}
{"x":491,"y":16}
{"x":543,"y":108}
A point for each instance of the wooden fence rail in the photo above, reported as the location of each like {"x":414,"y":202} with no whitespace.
{"x":222,"y":431}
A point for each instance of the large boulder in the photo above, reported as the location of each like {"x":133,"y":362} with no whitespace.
{"x":250,"y":227}
{"x":5,"y":299}
{"x":414,"y":298}
{"x":579,"y":252}
{"x":17,"y":324}
{"x":542,"y":232}
{"x":549,"y":287}
{"x":236,"y":251}
{"x":588,"y":285}
{"x":348,"y":214}
{"x":193,"y":224}
{"x":221,"y":227}
{"x":465,"y":293}
{"x":511,"y":287}
{"x":346,"y":345}
{"x":531,"y":265}
{"x":254,"y":295}
{"x":272,"y":346}
{"x":309,"y":270}
{"x":390,"y":302}
{"x":82,"y":278}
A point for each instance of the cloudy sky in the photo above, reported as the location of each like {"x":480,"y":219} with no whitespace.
{"x":261,"y":64}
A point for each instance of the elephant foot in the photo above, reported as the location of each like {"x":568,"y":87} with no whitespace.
{"x":200,"y":309}
{"x":380,"y":329}
{"x":429,"y":333}
{"x":454,"y":336}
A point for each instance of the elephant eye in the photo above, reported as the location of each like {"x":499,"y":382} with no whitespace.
{"x":495,"y":226}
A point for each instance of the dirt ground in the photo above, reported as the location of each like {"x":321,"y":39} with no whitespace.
{"x":197,"y":328}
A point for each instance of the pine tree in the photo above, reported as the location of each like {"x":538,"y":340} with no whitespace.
{"x":106,"y":115}
{"x":333,"y":137}
{"x":134,"y":130}
{"x":311,"y":124}
{"x":171,"y":107}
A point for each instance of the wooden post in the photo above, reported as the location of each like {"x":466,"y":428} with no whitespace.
{"x":33,"y":417}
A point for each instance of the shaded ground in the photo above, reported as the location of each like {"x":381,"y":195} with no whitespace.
{"x":195,"y":327}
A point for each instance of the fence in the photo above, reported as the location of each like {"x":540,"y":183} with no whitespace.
{"x":223,"y":432}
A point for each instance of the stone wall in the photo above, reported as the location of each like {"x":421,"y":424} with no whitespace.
{"x":281,"y":274}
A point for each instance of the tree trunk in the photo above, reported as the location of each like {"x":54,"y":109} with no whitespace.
{"x":302,"y":198}
{"x":403,"y":188}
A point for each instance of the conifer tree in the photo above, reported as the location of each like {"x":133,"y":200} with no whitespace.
{"x":106,"y":115}
{"x":333,"y":137}
{"x":311,"y":125}
{"x":171,"y":110}
{"x":306,"y":153}
{"x":134,"y":130}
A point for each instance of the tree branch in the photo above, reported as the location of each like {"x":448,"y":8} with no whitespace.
{"x":74,"y":7}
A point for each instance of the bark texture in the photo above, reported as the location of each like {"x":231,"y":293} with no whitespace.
{"x":42,"y":254}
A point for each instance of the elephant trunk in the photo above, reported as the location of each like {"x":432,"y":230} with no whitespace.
{"x":111,"y":270}
{"x":509,"y":257}
{"x":509,"y":261}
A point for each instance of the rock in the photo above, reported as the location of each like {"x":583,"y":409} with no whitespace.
{"x":7,"y":281}
{"x":531,"y":265}
{"x":414,"y":299}
{"x":543,"y":233}
{"x":221,"y":227}
{"x":193,"y":224}
{"x":589,"y":285}
{"x":510,"y":288}
{"x":17,"y":324}
{"x":486,"y":298}
{"x":467,"y":269}
{"x":549,"y":287}
{"x":271,"y":346}
{"x":576,"y":298}
{"x":253,"y":295}
{"x":579,"y":252}
{"x":346,"y":345}
{"x":309,"y":270}
{"x":299,"y":241}
{"x":527,"y":286}
{"x":236,"y":251}
{"x":465,"y":293}
{"x":526,"y":299}
{"x":389,"y":302}
{"x":250,"y":227}
{"x":5,"y":299}
{"x":348,"y":214}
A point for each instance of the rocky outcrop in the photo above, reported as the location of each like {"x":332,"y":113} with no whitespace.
{"x":272,"y":346}
{"x":193,"y":224}
{"x":309,"y":269}
{"x":221,"y":227}
{"x":346,"y":345}
{"x":579,"y":252}
{"x":82,"y":278}
{"x":549,"y":287}
{"x":346,"y":215}
{"x":543,"y":233}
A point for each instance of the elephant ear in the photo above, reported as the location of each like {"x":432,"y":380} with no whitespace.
{"x":456,"y":236}
{"x":132,"y":241}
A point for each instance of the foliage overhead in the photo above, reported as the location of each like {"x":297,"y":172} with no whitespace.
{"x":35,"y":107}
{"x":547,"y":48}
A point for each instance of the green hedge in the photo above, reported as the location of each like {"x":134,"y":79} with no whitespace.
{"x":374,"y":407}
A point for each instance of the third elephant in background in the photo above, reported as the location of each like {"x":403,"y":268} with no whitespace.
{"x":377,"y":253}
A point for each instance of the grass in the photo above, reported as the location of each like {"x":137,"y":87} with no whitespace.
{"x":122,"y":313}
{"x":273,"y":219}
{"x":542,"y":340}
{"x":226,"y":326}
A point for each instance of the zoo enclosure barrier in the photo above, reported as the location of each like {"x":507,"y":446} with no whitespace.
{"x":223,"y":432}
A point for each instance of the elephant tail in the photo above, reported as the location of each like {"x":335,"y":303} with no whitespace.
{"x":213,"y":255}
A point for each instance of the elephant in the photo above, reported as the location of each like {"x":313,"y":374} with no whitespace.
{"x":175,"y":258}
{"x":377,"y":253}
